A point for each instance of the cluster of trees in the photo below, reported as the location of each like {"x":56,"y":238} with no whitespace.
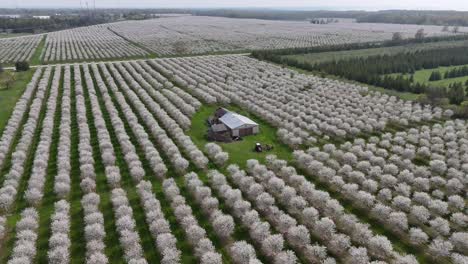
{"x":19,"y":48}
{"x":158,"y":224}
{"x":203,"y":247}
{"x":295,"y":234}
{"x":326,"y":219}
{"x":435,"y":76}
{"x":281,"y":98}
{"x":144,"y":99}
{"x":452,"y":73}
{"x":151,"y":153}
{"x":456,"y":93}
{"x":94,"y":42}
{"x":216,"y":153}
{"x":36,"y":182}
{"x":379,"y":176}
{"x":21,"y":66}
{"x":456,"y":72}
{"x":322,"y":21}
{"x":21,"y":152}
{"x":108,"y":157}
{"x":223,"y":224}
{"x":271,"y":245}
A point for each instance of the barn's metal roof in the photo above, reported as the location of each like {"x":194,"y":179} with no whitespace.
{"x":233,"y":120}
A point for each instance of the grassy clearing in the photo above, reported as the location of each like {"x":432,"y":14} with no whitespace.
{"x":9,"y":97}
{"x":239,"y":151}
{"x":422,"y":76}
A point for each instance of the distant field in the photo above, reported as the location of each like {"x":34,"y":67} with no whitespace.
{"x":341,"y":55}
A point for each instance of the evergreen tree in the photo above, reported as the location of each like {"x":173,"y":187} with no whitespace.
{"x":456,"y":93}
{"x":435,"y":76}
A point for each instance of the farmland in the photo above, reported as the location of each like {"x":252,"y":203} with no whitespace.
{"x":182,"y":35}
{"x":105,"y":158}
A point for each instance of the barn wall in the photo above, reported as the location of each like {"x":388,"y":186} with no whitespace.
{"x":246,"y":131}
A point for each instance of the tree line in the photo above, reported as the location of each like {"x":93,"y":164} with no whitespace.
{"x":419,"y":17}
{"x":54,"y":23}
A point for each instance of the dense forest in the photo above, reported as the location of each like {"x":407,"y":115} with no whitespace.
{"x":37,"y":25}
{"x":60,"y":19}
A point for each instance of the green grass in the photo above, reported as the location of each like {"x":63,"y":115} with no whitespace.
{"x":239,"y":151}
{"x":36,"y":57}
{"x":9,"y":97}
{"x":422,"y":76}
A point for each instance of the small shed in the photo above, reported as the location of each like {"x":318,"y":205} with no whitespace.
{"x":227,"y":125}
{"x":238,"y":125}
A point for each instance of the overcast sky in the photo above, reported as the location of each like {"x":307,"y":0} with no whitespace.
{"x":294,"y":4}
